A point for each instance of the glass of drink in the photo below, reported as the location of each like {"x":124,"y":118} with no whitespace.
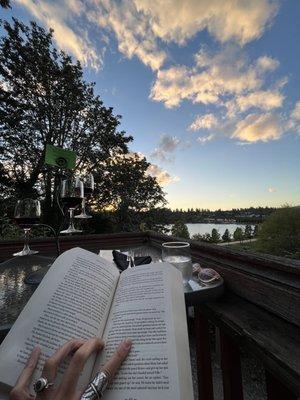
{"x":89,"y":186}
{"x":71,"y":196}
{"x":179,"y":255}
{"x":27,"y":213}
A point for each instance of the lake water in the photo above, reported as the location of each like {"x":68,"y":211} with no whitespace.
{"x":207,"y":228}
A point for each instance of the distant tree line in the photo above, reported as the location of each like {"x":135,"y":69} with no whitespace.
{"x":253,"y":215}
{"x":180,"y":230}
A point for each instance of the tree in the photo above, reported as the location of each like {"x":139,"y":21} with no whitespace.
{"x":255,"y":231}
{"x":238,"y":234}
{"x":215,"y":236}
{"x":126,"y":187}
{"x":248,"y":232}
{"x":198,"y":237}
{"x":179,"y":229}
{"x":45,"y":100}
{"x":226,"y":236}
{"x":279,"y":234}
{"x":206,"y":237}
{"x":5,"y":3}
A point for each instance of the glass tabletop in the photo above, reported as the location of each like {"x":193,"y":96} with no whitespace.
{"x":14,"y":292}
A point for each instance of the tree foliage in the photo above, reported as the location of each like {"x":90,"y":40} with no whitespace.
{"x":5,"y":3}
{"x":45,"y":100}
{"x":215,"y":236}
{"x":226,"y":237}
{"x":126,"y":186}
{"x":280,"y":233}
{"x":248,"y":232}
{"x":179,"y":229}
{"x":238,"y":234}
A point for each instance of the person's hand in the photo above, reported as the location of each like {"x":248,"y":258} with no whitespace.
{"x":21,"y":389}
{"x":67,"y":388}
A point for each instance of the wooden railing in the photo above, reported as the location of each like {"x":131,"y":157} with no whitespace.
{"x":259,"y":311}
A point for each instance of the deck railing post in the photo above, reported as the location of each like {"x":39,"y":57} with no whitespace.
{"x":204,"y":371}
{"x":231,"y":368}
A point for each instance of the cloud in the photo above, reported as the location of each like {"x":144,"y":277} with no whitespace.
{"x":132,"y":155}
{"x":214,"y":79}
{"x":143,"y":28}
{"x":76,"y":6}
{"x":265,"y":63}
{"x":243,"y":143}
{"x":295,"y":114}
{"x":262,"y":99}
{"x":162,"y":176}
{"x":179,"y":20}
{"x":272,"y":189}
{"x":205,"y":139}
{"x":206,"y":121}
{"x":54,"y":15}
{"x":131,"y":28}
{"x":166,"y":145}
{"x":258,"y":127}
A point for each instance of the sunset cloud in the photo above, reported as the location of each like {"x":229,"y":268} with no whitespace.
{"x":54,"y":15}
{"x":205,"y":139}
{"x":262,"y":99}
{"x":272,"y":189}
{"x":206,"y":121}
{"x":258,"y":127}
{"x":143,"y":28}
{"x":163,"y":177}
{"x":179,"y":20}
{"x":295,"y":114}
{"x":213,"y":79}
{"x":265,"y":63}
{"x":131,"y":29}
{"x":166,"y":145}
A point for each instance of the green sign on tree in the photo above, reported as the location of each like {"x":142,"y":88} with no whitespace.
{"x":60,"y":157}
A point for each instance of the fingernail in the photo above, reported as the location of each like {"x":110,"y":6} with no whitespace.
{"x":36,"y":349}
{"x":127,"y":343}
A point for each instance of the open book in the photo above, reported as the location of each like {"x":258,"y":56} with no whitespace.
{"x":84,"y":295}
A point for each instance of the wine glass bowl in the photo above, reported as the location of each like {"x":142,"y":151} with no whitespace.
{"x":71,"y":197}
{"x":89,"y":186}
{"x":26,"y":214}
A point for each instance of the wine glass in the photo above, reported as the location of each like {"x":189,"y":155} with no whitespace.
{"x":130,"y":258}
{"x":89,"y":186}
{"x":179,"y":255}
{"x":71,"y":196}
{"x":27,"y":213}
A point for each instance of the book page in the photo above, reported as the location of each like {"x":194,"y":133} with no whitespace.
{"x":72,"y":301}
{"x":149,"y":308}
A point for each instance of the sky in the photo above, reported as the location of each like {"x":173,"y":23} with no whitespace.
{"x":209,"y":89}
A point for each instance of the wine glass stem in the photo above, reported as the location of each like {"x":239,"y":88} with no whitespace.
{"x":26,"y":239}
{"x":71,"y":225}
{"x":83,"y":207}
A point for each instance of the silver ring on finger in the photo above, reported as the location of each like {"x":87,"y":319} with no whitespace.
{"x":42,"y":384}
{"x":96,"y":387}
